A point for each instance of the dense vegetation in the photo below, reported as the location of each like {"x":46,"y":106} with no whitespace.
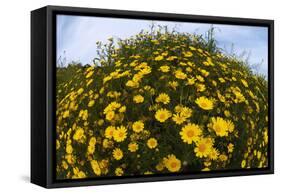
{"x":160,"y":102}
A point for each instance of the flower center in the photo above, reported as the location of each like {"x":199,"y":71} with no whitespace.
{"x":190,"y":133}
{"x":121,"y":134}
{"x":203,"y":104}
{"x":202,"y":147}
{"x":173,"y":164}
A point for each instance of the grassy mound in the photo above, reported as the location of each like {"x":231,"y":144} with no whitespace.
{"x":159,"y":102}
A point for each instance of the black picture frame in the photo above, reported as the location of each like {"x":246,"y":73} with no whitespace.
{"x":43,"y":99}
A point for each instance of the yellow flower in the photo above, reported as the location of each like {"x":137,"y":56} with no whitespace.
{"x":162,"y":115}
{"x":89,"y":74}
{"x":180,"y":75}
{"x":245,"y":83}
{"x":138,"y":126}
{"x":78,"y":174}
{"x":117,"y":154}
{"x":174,"y":84}
{"x":133,"y":147}
{"x":164,"y":68}
{"x":222,"y":80}
{"x":122,"y":109}
{"x":159,"y":58}
{"x":132,"y":84}
{"x":69,"y":149}
{"x":65,"y":114}
{"x":138,"y":99}
{"x":172,"y":163}
{"x":96,"y":168}
{"x":80,"y":91}
{"x":107,"y":143}
{"x":100,"y":122}
{"x":119,"y":171}
{"x":203,"y":148}
{"x":213,"y":154}
{"x":223,"y":157}
{"x":200,"y":87}
{"x":92,"y":145}
{"x":239,"y":97}
{"x":120,"y":134}
{"x":220,"y":126}
{"x":110,"y":115}
{"x":188,"y":54}
{"x":57,"y":144}
{"x":171,"y":58}
{"x":186,"y":112}
{"x":109,"y":131}
{"x":83,"y":114}
{"x":204,"y":103}
{"x":178,"y":118}
{"x":190,"y":81}
{"x":190,"y":133}
{"x":164,"y":98}
{"x":227,"y":113}
{"x":160,"y":166}
{"x":91,"y":103}
{"x":152,"y":143}
{"x":230,"y":147}
{"x":64,"y":165}
{"x":79,"y":133}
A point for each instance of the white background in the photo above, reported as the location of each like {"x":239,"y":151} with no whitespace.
{"x":15,"y":95}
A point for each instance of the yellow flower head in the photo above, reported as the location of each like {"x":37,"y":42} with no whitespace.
{"x":119,"y":171}
{"x":186,"y":112}
{"x":164,"y":98}
{"x":180,"y":75}
{"x":191,"y":81}
{"x":190,"y":133}
{"x":65,"y":114}
{"x":92,"y":145}
{"x":96,"y":167}
{"x":122,"y":109}
{"x":111,"y":107}
{"x":109,"y":131}
{"x":173,"y":84}
{"x":221,"y":126}
{"x":178,"y":118}
{"x":91,"y":103}
{"x":138,"y":99}
{"x":160,"y":166}
{"x":230,"y":147}
{"x":69,"y":149}
{"x":188,"y":54}
{"x":213,"y":155}
{"x":159,"y":58}
{"x":172,"y":163}
{"x":204,"y":103}
{"x":138,"y":126}
{"x":133,"y":147}
{"x":120,"y":134}
{"x":132,"y":84}
{"x":164,"y":68}
{"x":110,"y":115}
{"x":162,"y":115}
{"x":117,"y":154}
{"x":203,"y":148}
{"x":152,"y":143}
{"x":80,"y":91}
{"x":79,"y":134}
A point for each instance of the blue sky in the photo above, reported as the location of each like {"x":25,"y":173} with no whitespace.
{"x":77,"y":37}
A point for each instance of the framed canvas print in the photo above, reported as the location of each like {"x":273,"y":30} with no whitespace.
{"x":125,"y":96}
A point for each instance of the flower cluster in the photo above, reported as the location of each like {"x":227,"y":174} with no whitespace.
{"x":159,"y":103}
